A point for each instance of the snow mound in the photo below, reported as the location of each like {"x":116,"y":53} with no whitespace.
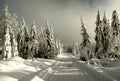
{"x":18,"y":69}
{"x":113,"y":64}
{"x":36,"y":78}
{"x":18,"y":59}
{"x":12,"y":63}
{"x":62,"y":56}
{"x":110,"y":68}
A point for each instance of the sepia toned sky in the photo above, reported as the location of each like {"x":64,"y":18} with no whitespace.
{"x":63,"y":15}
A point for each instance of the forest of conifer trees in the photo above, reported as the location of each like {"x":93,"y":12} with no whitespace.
{"x":41,"y":43}
{"x":107,"y":39}
{"x":30,"y":44}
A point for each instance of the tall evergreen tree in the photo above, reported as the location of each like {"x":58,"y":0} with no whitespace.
{"x":42,"y":38}
{"x":7,"y":20}
{"x":7,"y":45}
{"x":98,"y":36}
{"x":85,"y":51}
{"x":23,"y":38}
{"x":50,"y":41}
{"x":105,"y":33}
{"x":115,"y":26}
{"x":48,"y":38}
{"x":34,"y":40}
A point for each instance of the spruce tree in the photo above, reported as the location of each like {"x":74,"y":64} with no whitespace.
{"x":98,"y":36}
{"x":50,"y":41}
{"x":7,"y":20}
{"x":7,"y":45}
{"x":23,"y":38}
{"x":105,"y":33}
{"x":115,"y":26}
{"x":85,"y":54}
{"x":42,"y":38}
{"x":34,"y":40}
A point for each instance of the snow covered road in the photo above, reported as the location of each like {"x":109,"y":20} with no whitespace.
{"x":68,"y":68}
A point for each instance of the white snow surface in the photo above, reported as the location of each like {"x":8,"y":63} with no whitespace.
{"x":65,"y":67}
{"x":110,"y":70}
{"x":16,"y":68}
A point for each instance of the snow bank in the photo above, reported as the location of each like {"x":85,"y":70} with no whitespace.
{"x":62,"y":56}
{"x":12,"y":63}
{"x":114,"y":63}
{"x":16,"y":68}
{"x":36,"y":78}
{"x":18,"y":59}
{"x":111,"y":69}
{"x":94,"y":62}
{"x":103,"y":62}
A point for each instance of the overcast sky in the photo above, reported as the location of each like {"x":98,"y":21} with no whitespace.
{"x":63,"y":15}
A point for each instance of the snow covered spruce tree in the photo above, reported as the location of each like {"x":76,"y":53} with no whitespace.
{"x":85,"y":50}
{"x":7,"y":45}
{"x":23,"y":38}
{"x":98,"y":37}
{"x":7,"y":20}
{"x":33,"y":43}
{"x":105,"y":35}
{"x":51,"y":51}
{"x":53,"y":47}
{"x":42,"y":38}
{"x":115,"y":37}
{"x":9,"y":48}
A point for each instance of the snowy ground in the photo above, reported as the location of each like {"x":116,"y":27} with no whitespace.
{"x":66,"y":67}
{"x":16,"y":68}
{"x":111,"y":70}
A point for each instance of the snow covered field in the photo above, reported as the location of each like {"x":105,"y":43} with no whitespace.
{"x":66,"y":67}
{"x":16,"y":68}
{"x":110,"y":70}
